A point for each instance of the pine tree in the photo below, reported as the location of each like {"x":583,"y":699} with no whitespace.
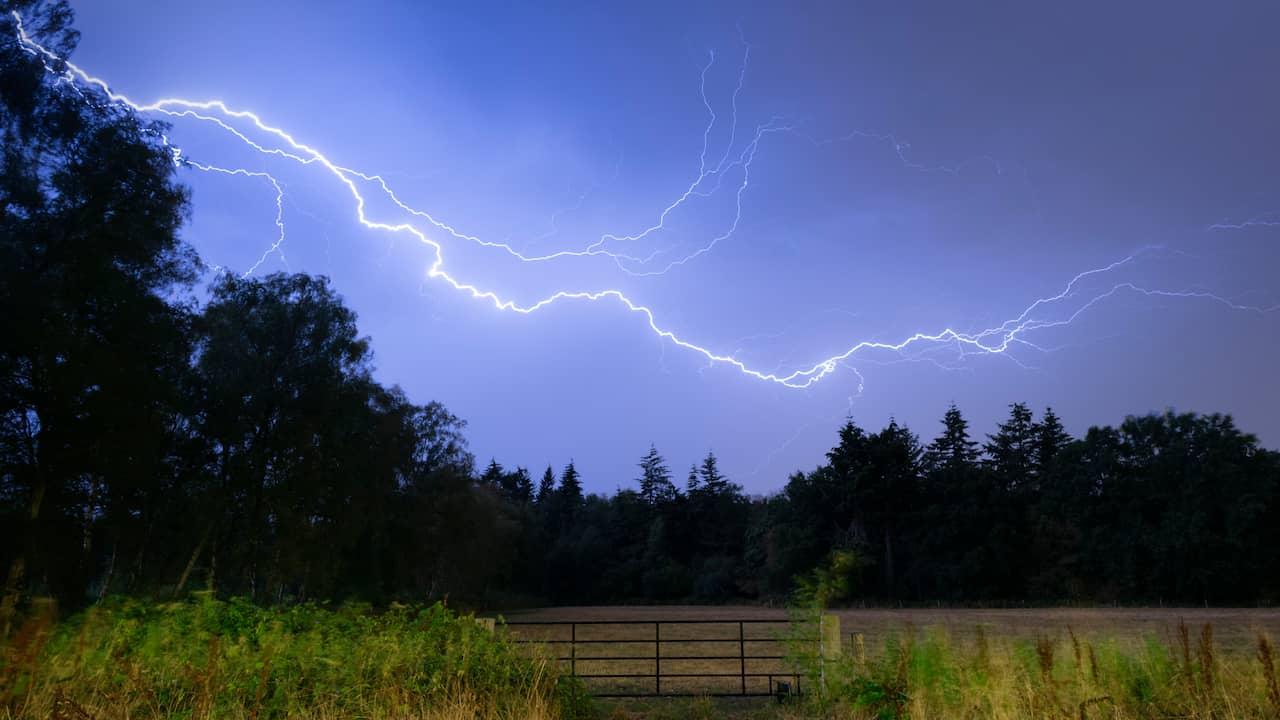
{"x":712,"y":481}
{"x":492,"y":475}
{"x":1012,"y":488}
{"x":955,"y":513}
{"x":889,"y":490}
{"x":953,"y":448}
{"x":691,"y":485}
{"x":519,"y":485}
{"x":717,"y":512}
{"x":1051,"y":438}
{"x":1011,"y":451}
{"x":546,"y":486}
{"x":570,"y":488}
{"x":656,"y":487}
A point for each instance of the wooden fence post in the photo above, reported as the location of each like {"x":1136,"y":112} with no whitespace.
{"x":828,"y":644}
{"x":830,"y":637}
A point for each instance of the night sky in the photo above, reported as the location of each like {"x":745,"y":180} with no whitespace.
{"x":919,"y":166}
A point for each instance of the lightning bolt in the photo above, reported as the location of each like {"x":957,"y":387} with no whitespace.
{"x":275,"y":248}
{"x":1268,"y":219}
{"x":996,"y":340}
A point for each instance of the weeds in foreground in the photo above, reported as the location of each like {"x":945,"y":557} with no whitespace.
{"x":213,"y":659}
{"x":1067,"y":677}
{"x":206,"y":659}
{"x":1267,"y":660}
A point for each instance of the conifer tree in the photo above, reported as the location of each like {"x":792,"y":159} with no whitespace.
{"x":1051,"y":438}
{"x":492,"y":475}
{"x":656,"y":487}
{"x":546,"y":486}
{"x":712,"y":481}
{"x":1011,"y":450}
{"x":691,"y":485}
{"x":571,"y":488}
{"x":953,"y":448}
{"x":519,"y":486}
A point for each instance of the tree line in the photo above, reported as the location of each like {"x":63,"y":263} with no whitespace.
{"x":152,"y":443}
{"x":1176,"y":508}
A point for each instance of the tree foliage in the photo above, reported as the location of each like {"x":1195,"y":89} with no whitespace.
{"x":90,"y":263}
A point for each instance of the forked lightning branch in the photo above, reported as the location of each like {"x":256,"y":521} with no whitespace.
{"x":1056,"y":310}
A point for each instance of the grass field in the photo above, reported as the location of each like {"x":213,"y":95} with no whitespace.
{"x":1234,"y":628}
{"x":921,"y":663}
{"x":205,"y":658}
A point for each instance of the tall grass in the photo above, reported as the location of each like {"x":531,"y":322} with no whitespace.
{"x":1067,"y":676}
{"x":207,"y":658}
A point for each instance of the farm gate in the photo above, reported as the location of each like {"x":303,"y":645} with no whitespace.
{"x":671,"y":658}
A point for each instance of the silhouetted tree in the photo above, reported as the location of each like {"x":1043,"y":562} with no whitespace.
{"x":492,"y":475}
{"x":546,"y":486}
{"x":1051,"y":438}
{"x":570,"y":490}
{"x":286,"y":372}
{"x":712,"y":481}
{"x":655,"y":483}
{"x":952,"y":520}
{"x":1011,"y":451}
{"x":952,"y":449}
{"x":518,"y":486}
{"x":93,"y":352}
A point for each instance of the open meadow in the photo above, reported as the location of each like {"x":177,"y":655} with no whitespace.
{"x":1234,"y":628}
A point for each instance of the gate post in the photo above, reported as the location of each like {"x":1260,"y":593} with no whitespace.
{"x":830,"y":637}
{"x":828,"y":644}
{"x":657,"y":658}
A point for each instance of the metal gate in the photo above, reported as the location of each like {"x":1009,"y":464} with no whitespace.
{"x":669,"y":658}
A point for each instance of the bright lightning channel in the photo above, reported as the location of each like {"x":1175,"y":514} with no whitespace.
{"x":275,"y":248}
{"x":1269,"y":219}
{"x":992,"y":341}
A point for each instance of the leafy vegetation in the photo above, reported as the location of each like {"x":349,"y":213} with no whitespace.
{"x":207,"y":658}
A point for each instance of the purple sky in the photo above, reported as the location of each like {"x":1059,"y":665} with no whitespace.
{"x":924,"y":166}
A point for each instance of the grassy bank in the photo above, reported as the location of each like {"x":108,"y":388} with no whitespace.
{"x":207,"y":658}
